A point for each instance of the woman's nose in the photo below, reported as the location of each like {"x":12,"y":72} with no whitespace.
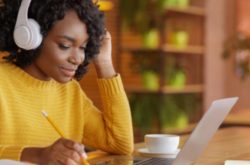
{"x":77,"y":57}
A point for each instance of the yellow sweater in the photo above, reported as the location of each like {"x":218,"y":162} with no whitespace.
{"x":22,"y":98}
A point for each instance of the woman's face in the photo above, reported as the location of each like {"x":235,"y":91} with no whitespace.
{"x":62,"y":51}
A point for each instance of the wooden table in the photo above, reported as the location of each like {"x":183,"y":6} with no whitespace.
{"x":228,"y":143}
{"x":238,"y":118}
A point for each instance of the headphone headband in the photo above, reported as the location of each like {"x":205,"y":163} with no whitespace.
{"x":22,"y":17}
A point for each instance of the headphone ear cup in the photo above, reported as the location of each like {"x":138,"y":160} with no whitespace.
{"x":22,"y":36}
{"x":36,"y":37}
{"x":28,"y":36}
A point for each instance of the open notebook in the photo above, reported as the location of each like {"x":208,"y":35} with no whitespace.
{"x":11,"y":162}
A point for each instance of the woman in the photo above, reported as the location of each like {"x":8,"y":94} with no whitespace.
{"x":43,"y":79}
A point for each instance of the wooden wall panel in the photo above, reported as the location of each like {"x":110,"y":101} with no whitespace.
{"x":238,"y":20}
{"x":243,"y":16}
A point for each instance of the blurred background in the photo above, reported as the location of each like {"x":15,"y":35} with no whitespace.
{"x":176,"y":57}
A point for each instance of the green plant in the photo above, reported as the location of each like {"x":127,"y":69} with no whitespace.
{"x":147,"y":66}
{"x":238,"y":46}
{"x":141,"y":15}
{"x":142,"y":61}
{"x":175,"y":75}
{"x":144,"y":111}
{"x":155,"y":112}
{"x":180,"y":38}
{"x":150,"y":80}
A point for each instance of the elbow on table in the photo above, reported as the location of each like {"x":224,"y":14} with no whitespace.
{"x":126,"y":150}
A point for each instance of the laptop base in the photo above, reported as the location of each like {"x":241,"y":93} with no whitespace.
{"x":116,"y":160}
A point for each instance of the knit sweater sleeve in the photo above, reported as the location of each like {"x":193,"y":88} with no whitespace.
{"x":11,"y":152}
{"x":111,"y":128}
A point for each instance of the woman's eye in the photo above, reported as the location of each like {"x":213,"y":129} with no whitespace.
{"x":64,"y":47}
{"x":83,"y":48}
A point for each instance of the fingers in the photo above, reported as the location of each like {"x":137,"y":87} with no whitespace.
{"x":79,"y":148}
{"x":72,"y":154}
{"x":67,"y":152}
{"x":69,"y":157}
{"x":107,"y":35}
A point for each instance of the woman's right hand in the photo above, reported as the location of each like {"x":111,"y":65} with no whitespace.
{"x":62,"y":152}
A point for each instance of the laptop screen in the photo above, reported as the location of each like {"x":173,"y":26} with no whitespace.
{"x":204,"y":131}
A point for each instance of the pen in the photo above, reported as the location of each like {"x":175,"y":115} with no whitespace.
{"x":45,"y":114}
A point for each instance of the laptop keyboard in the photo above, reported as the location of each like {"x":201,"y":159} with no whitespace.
{"x":155,"y":161}
{"x":136,"y":161}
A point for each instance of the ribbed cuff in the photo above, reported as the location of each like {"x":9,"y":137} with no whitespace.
{"x":12,"y":152}
{"x":111,"y":86}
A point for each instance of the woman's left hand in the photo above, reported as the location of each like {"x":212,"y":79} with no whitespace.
{"x":103,"y":61}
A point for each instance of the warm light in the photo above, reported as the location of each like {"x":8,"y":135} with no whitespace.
{"x":105,"y":5}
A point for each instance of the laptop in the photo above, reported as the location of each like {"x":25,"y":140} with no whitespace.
{"x":197,"y":141}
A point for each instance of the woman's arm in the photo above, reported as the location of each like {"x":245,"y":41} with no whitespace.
{"x":111,"y":128}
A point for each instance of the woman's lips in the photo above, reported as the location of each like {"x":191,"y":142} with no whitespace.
{"x":68,"y":71}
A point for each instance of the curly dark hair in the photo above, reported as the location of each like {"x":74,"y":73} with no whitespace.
{"x":46,"y":13}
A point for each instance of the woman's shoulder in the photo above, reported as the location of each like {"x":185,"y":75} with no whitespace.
{"x":5,"y":67}
{"x":6,"y":72}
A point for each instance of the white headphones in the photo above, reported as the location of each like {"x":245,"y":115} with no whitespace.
{"x":27,"y":33}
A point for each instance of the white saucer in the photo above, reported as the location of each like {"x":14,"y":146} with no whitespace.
{"x":146,"y":152}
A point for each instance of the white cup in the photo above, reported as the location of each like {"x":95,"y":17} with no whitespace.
{"x":162,"y":143}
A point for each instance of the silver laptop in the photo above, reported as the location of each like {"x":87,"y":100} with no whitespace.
{"x":197,"y":141}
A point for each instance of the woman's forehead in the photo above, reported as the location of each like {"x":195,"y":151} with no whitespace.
{"x":70,"y":25}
